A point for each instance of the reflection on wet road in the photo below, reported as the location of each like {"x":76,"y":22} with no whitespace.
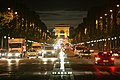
{"x":49,"y":69}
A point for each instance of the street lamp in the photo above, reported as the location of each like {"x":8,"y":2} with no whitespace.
{"x":100,"y":17}
{"x":9,"y":8}
{"x":111,"y":10}
{"x":105,"y":14}
{"x":16,"y":13}
{"x":118,"y":5}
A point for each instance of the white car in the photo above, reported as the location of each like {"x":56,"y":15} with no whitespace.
{"x":32,"y":53}
{"x":49,"y":51}
{"x":14,"y":54}
{"x":78,"y":50}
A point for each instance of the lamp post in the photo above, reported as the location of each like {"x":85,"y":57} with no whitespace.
{"x":9,"y":17}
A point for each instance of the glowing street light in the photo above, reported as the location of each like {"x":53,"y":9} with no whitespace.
{"x":111,"y":10}
{"x":9,"y":8}
{"x":105,"y":14}
{"x":100,"y":17}
{"x":118,"y":5}
{"x":16,"y":13}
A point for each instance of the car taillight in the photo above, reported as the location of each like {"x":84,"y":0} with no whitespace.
{"x":112,"y":58}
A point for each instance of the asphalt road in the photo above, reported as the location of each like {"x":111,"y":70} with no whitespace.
{"x":49,"y":69}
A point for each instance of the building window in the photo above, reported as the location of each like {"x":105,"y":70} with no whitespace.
{"x":96,"y":24}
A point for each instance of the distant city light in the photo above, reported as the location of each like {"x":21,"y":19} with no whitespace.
{"x":108,"y":38}
{"x":92,"y":44}
{"x":16,"y":13}
{"x":100,"y":17}
{"x":105,"y":45}
{"x":8,"y":8}
{"x":94,"y":40}
{"x":105,"y":14}
{"x":8,"y":37}
{"x":5,"y":37}
{"x":112,"y":38}
{"x":105,"y":39}
{"x":12,"y":38}
{"x":88,"y":42}
{"x":111,"y":11}
{"x":118,"y":5}
{"x":91,"y":41}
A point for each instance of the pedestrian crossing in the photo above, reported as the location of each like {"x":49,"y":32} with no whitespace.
{"x":78,"y":73}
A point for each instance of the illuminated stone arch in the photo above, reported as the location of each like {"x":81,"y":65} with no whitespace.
{"x":62,"y":30}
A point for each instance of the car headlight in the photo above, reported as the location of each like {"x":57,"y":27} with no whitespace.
{"x":115,"y":54}
{"x":3,"y":54}
{"x":44,"y":51}
{"x":39,"y":52}
{"x":17,"y":54}
{"x":53,"y":51}
{"x":9,"y":54}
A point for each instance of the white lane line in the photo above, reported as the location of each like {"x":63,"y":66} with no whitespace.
{"x":4,"y":74}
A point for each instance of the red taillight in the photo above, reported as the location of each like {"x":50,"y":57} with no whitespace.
{"x":112,"y":58}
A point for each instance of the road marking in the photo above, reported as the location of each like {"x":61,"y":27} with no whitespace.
{"x":4,"y":74}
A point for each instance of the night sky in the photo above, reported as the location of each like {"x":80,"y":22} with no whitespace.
{"x":62,"y":11}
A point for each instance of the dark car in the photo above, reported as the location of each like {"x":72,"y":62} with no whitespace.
{"x":3,"y":53}
{"x":86,"y":54}
{"x":115,"y":53}
{"x":104,"y":58}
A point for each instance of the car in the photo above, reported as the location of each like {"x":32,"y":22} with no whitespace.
{"x":3,"y":53}
{"x":104,"y":57}
{"x":32,"y":53}
{"x":49,"y":51}
{"x":78,"y":50}
{"x":86,"y":54}
{"x":14,"y":54}
{"x":115,"y":53}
